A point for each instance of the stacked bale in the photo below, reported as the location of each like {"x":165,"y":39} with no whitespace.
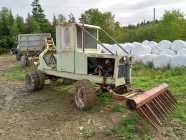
{"x":160,"y":55}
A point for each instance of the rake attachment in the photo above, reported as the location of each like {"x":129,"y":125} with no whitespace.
{"x":153,"y":105}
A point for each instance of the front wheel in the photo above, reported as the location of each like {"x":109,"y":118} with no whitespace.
{"x":85,"y":95}
{"x":23,"y":61}
{"x":34,"y":81}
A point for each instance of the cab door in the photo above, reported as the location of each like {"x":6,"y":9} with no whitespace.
{"x":66,"y":49}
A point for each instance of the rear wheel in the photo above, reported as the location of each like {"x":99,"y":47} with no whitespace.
{"x":18,"y":55}
{"x":34,"y":81}
{"x":85,"y":95}
{"x":23,"y":61}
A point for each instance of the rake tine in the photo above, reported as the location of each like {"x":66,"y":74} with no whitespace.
{"x":160,"y":113}
{"x":165,"y":104}
{"x":155,"y":110}
{"x":171,"y":99}
{"x":153,"y":114}
{"x":142,"y":113}
{"x":162,"y":103}
{"x":169,"y":104}
{"x":161,"y":107}
{"x":168,"y":100}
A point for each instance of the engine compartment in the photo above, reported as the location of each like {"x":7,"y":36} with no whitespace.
{"x":101,"y":66}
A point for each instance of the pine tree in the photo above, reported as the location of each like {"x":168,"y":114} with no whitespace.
{"x":38,"y":12}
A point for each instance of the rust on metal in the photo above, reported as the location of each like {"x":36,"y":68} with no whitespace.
{"x":153,"y":105}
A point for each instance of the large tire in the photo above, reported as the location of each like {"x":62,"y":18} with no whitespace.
{"x":41,"y":79}
{"x":34,"y":81}
{"x":85,"y":95}
{"x":23,"y":61}
{"x":18,"y":56}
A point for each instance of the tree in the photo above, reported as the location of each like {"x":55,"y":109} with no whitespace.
{"x":32,"y":26}
{"x":38,"y":12}
{"x":20,"y":24}
{"x":102,"y":19}
{"x":39,"y":17}
{"x":71,"y":18}
{"x":172,"y":26}
{"x":8,"y":28}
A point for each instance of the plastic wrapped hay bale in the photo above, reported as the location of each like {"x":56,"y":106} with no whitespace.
{"x":167,"y":52}
{"x":153,"y":44}
{"x":181,"y":52}
{"x":128,"y":47}
{"x":118,"y":50}
{"x":178,"y":61}
{"x":145,"y":42}
{"x":138,"y":58}
{"x":139,"y":49}
{"x":178,"y":45}
{"x":161,"y":61}
{"x":148,"y":59}
{"x":101,"y":49}
{"x":165,"y":44}
{"x":155,"y":50}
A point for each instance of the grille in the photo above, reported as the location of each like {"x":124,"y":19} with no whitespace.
{"x":125,"y":72}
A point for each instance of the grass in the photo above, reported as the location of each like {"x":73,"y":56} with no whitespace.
{"x":15,"y":73}
{"x":143,"y":77}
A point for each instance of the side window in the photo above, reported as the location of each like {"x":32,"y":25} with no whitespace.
{"x":66,"y":36}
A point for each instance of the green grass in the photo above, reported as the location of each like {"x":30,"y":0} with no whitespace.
{"x":143,"y":77}
{"x":15,"y":73}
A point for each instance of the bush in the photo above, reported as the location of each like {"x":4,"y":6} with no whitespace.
{"x":3,"y":50}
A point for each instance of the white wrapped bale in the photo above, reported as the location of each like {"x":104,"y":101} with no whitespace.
{"x":128,"y":47}
{"x":161,"y":61}
{"x":138,"y":59}
{"x":181,"y":52}
{"x":139,"y":49}
{"x":148,"y":59}
{"x":146,"y":42}
{"x":178,"y":61}
{"x":153,"y":44}
{"x":155,"y":50}
{"x":178,"y":45}
{"x":101,"y":49}
{"x":165,"y":44}
{"x":167,"y":52}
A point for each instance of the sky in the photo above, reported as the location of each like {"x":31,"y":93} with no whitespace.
{"x":125,"y":11}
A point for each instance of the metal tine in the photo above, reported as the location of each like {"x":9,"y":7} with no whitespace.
{"x":148,"y":113}
{"x":162,"y":103}
{"x":171,"y":99}
{"x":159,"y":111}
{"x":168,"y":103}
{"x":165,"y":103}
{"x":155,"y":110}
{"x":168,"y":100}
{"x":154,"y":116}
{"x":142,"y":113}
{"x":171,"y":96}
{"x":160,"y":107}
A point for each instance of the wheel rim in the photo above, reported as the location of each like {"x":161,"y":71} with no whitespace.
{"x":80,"y":98}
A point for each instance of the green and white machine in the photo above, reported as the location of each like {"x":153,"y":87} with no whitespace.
{"x":76,"y":57}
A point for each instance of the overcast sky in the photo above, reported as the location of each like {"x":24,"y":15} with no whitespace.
{"x":125,"y":11}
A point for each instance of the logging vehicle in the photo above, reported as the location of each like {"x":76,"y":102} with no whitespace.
{"x":75,"y":57}
{"x":29,"y":47}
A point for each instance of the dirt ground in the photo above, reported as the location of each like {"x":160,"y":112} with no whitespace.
{"x":50,"y":114}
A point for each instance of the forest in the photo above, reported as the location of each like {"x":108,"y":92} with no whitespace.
{"x":171,"y":26}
